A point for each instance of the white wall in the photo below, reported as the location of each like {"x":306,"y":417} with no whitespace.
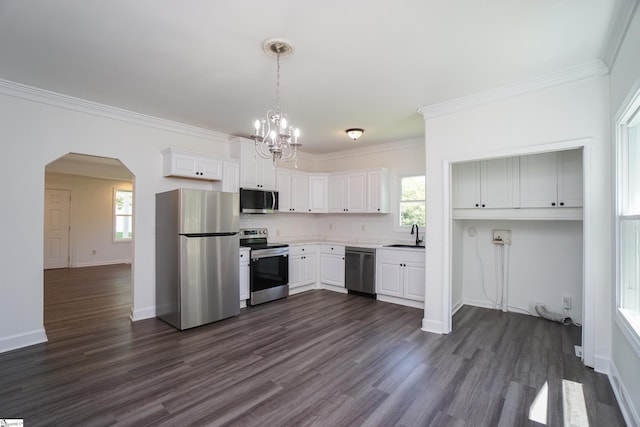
{"x":34,"y":132}
{"x":624,"y":80}
{"x":547,"y":119}
{"x":92,"y":219}
{"x":544,"y":259}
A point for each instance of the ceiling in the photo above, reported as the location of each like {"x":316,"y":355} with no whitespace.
{"x":355,"y":64}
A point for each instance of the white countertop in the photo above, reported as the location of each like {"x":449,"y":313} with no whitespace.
{"x":365,"y":243}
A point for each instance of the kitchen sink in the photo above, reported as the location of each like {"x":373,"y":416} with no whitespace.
{"x":404,"y":246}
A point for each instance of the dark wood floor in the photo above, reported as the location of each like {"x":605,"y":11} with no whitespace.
{"x":317,"y":358}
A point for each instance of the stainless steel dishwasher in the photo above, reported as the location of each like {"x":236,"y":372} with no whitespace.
{"x":360,"y":270}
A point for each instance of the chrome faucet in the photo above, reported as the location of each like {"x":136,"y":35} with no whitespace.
{"x":418,"y":240}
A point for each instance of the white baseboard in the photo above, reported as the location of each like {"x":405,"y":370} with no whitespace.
{"x":457,"y":306}
{"x":339,"y":289}
{"x":99,"y":263}
{"x":479,"y":303}
{"x":629,"y":413}
{"x":14,"y":342}
{"x":300,"y":289}
{"x":143,"y":313}
{"x":433,"y":326}
{"x":400,"y":301}
{"x":602,"y":365}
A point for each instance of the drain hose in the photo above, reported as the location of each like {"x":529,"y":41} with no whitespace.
{"x":556,"y":317}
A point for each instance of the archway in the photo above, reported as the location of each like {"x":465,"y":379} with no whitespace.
{"x":88,"y":242}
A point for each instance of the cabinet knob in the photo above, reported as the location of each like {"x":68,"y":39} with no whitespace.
{"x":378,"y":209}
{"x":331,"y":248}
{"x":302,"y":249}
{"x":553,"y":203}
{"x":309,"y":210}
{"x":477,"y":205}
{"x":483,"y":205}
{"x":561,"y":203}
{"x":241,"y":255}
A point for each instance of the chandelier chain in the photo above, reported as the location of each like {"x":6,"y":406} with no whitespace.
{"x":278,"y":82}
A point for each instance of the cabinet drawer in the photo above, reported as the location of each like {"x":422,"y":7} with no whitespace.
{"x":332,"y":249}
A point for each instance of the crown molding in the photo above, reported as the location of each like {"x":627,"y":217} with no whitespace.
{"x":43,"y":96}
{"x":580,"y":72}
{"x":618,"y":26}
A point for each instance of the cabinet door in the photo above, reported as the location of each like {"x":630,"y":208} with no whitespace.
{"x":266,"y":174}
{"x":332,"y":269}
{"x":318,"y":197}
{"x":248,"y":166}
{"x":378,"y":191}
{"x":299,"y":192}
{"x":497,"y":183}
{"x":466,"y":185}
{"x":296,"y":270}
{"x":337,"y":193}
{"x":244,"y":281}
{"x":356,"y":192}
{"x":210,"y":168}
{"x":538,"y":180}
{"x":570,"y":179}
{"x":284,"y":190}
{"x":230,"y":177}
{"x":309,"y":271}
{"x":414,"y":279}
{"x":389,"y":278}
{"x":185,"y":165}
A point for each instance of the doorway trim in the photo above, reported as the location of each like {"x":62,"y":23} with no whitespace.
{"x":588,"y":326}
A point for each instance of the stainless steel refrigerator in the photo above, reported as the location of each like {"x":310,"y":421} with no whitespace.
{"x":197,"y":266}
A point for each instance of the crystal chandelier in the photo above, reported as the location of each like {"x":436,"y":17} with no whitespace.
{"x":275,"y":138}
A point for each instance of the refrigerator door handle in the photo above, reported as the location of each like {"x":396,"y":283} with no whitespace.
{"x":231,"y":233}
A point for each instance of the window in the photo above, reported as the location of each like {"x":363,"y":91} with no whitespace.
{"x":628,"y":219}
{"x":122,"y":215}
{"x":412,"y":201}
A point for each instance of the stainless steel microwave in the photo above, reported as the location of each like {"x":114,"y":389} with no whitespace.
{"x":258,"y":201}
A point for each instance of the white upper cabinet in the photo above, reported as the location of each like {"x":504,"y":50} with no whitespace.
{"x":378,"y":191}
{"x":186,"y":164}
{"x":485,"y":184}
{"x":230,"y":176}
{"x":255,"y":172}
{"x":570,"y":178}
{"x":359,"y":192}
{"x":301,"y":192}
{"x":283,"y":185}
{"x":551,"y":180}
{"x":337,"y":193}
{"x":356,"y":192}
{"x":318,"y":193}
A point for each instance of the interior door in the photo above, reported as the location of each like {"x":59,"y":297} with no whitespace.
{"x":56,"y":228}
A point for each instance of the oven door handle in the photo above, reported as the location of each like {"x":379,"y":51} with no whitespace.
{"x":269,"y":253}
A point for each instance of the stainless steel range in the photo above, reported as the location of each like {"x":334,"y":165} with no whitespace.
{"x":269,"y":266}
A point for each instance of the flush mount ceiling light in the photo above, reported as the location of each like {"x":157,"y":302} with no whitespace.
{"x":275,"y":138}
{"x":354,"y":133}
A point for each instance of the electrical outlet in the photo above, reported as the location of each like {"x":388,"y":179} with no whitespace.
{"x":566,"y":302}
{"x":472,"y":231}
{"x":362,"y":227}
{"x":330,"y":226}
{"x":502,"y":237}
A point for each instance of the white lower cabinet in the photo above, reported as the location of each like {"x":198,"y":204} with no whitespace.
{"x":400,"y":273}
{"x":332,"y":265}
{"x":244,"y":273}
{"x":302,"y":265}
